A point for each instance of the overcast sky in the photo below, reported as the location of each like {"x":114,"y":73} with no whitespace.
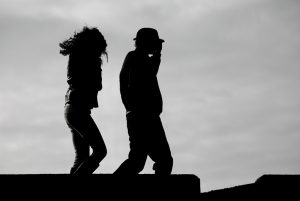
{"x":229,"y":78}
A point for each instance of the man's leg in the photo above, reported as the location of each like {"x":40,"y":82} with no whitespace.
{"x":137,"y":156}
{"x":160,"y":151}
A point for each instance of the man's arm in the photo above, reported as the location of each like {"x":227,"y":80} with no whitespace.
{"x":124,"y":81}
{"x":155,"y":59}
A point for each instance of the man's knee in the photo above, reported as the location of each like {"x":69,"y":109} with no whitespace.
{"x":137,"y":164}
{"x":163,"y":166}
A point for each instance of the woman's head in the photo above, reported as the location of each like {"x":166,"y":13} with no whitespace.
{"x":88,"y":41}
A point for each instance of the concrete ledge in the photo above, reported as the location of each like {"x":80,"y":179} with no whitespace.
{"x":65,"y":186}
{"x":266,"y":187}
{"x":141,"y":187}
{"x":279,"y":187}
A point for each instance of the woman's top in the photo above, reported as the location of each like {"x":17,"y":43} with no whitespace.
{"x":84,"y":79}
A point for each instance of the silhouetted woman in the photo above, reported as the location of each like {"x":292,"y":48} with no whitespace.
{"x":84,"y":78}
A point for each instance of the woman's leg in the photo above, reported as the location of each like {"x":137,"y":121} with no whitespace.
{"x":93,"y":136}
{"x":82,"y":150}
{"x":83,"y":127}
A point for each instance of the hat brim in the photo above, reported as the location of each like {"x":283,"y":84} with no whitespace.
{"x":161,"y":40}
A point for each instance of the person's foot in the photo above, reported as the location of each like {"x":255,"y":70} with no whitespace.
{"x":86,"y":167}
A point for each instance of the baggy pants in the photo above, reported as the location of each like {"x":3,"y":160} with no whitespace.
{"x":147,"y":138}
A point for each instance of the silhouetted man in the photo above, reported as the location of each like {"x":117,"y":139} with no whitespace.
{"x":143,"y":102}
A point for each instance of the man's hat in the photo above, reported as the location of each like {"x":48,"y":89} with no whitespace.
{"x":148,"y":34}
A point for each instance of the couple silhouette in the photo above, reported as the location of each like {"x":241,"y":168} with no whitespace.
{"x":140,"y":95}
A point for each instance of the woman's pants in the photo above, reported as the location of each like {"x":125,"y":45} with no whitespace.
{"x":85,"y":134}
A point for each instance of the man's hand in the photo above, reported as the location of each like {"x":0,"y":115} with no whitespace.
{"x":158,"y":47}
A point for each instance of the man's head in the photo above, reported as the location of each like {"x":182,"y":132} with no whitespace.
{"x":148,"y":40}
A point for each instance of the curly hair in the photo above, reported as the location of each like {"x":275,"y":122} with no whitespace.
{"x":87,"y":39}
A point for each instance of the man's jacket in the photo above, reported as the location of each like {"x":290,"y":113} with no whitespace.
{"x":138,"y":83}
